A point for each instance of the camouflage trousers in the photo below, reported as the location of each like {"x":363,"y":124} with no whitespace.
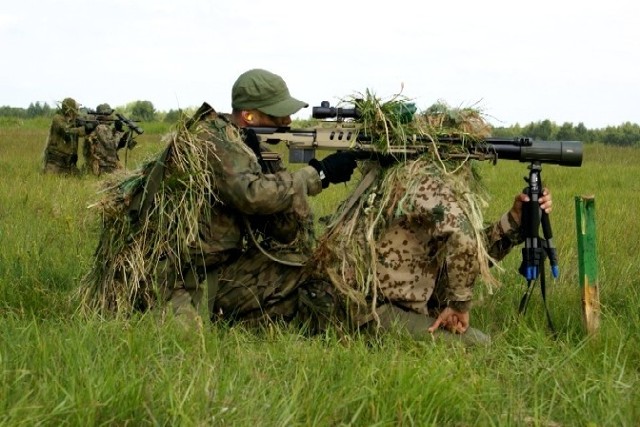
{"x":255,"y":290}
{"x":58,"y":163}
{"x":99,"y":159}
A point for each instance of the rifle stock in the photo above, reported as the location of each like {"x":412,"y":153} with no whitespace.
{"x":302,"y":144}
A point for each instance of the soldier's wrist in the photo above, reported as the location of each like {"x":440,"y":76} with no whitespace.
{"x":510,"y":228}
{"x":460,"y":306}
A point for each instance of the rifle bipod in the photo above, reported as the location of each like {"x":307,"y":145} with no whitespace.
{"x":536,"y":249}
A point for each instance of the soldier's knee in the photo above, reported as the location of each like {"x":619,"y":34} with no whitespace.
{"x":318,"y":305}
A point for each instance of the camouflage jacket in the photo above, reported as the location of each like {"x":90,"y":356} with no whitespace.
{"x":100,"y":149}
{"x":63,"y":137}
{"x":272,"y":199}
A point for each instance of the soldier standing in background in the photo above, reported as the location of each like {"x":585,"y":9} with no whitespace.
{"x":100,"y":149}
{"x":61,"y":151}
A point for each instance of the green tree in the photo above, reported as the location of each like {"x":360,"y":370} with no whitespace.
{"x":38,"y":110}
{"x":626,"y":134}
{"x":566,"y":132}
{"x":142,"y":110}
{"x":582,"y":133}
{"x":172,"y":116}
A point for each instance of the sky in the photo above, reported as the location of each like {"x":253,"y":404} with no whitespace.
{"x":519,"y":62}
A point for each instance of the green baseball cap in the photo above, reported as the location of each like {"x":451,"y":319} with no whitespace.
{"x":266,"y":92}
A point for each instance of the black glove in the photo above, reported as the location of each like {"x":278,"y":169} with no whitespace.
{"x":335,"y":168}
{"x":119,"y":126}
{"x":89,"y":127}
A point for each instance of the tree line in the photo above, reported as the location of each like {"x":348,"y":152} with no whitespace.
{"x":142,"y":111}
{"x":626,"y":134}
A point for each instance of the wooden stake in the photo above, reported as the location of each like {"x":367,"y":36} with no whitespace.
{"x":588,"y":261}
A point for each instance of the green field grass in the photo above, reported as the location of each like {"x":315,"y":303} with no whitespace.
{"x":60,"y":368}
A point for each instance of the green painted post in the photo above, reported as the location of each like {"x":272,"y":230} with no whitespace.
{"x":588,"y":261}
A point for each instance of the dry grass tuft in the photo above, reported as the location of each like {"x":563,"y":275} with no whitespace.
{"x":137,"y":250}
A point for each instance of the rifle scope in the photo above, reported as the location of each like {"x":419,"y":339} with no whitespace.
{"x":325,"y":111}
{"x":564,"y":153}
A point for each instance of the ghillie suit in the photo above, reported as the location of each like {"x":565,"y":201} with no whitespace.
{"x":60,"y":155}
{"x":170,"y":226}
{"x":412,"y":234}
{"x":150,"y":218}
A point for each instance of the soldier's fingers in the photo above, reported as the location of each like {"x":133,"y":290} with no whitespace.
{"x":435,"y":325}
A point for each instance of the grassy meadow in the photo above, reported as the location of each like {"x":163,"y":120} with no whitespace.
{"x":60,"y":368}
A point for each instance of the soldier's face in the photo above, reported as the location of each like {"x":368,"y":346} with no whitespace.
{"x":266,"y":120}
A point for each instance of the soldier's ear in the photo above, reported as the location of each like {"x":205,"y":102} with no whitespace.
{"x":247,"y":116}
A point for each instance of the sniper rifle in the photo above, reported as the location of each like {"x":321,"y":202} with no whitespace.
{"x":350,"y":135}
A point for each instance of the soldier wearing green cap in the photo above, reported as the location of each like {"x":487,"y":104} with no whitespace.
{"x":264,"y":204}
{"x":61,"y":151}
{"x":253,"y":203}
{"x":265,"y":92}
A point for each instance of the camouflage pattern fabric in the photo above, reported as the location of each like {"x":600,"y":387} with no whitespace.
{"x":275,"y":203}
{"x":255,"y":287}
{"x":61,"y":152}
{"x":426,"y":256}
{"x":430,"y":256}
{"x":243,"y":189}
{"x":100,"y":149}
{"x":426,"y":261}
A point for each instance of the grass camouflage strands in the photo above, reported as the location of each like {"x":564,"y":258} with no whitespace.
{"x":347,"y":251}
{"x":136,"y":254}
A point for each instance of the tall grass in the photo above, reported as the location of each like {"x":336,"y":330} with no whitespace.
{"x":57,"y":368}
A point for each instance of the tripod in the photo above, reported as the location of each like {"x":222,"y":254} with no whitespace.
{"x":536,"y":249}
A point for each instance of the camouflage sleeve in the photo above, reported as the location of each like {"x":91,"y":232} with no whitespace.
{"x":452,"y":243}
{"x":63,"y":135}
{"x":503,"y":236}
{"x":69,"y":127}
{"x":241,"y":183}
{"x":462,"y":265}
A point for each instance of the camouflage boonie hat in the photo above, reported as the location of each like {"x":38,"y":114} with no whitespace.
{"x":69,"y":105}
{"x":104,"y":109}
{"x":266,"y":92}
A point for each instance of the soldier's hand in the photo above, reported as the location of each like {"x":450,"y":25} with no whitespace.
{"x":451,"y":320}
{"x":335,"y":168}
{"x":545,"y":202}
